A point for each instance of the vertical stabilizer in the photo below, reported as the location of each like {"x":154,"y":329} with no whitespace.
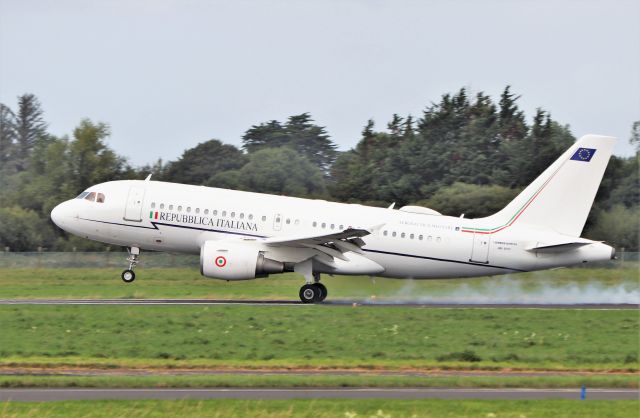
{"x":561,"y":197}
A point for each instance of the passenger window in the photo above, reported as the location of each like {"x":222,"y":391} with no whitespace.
{"x":206,"y":211}
{"x":233,"y":214}
{"x":264,"y":218}
{"x":100,"y":198}
{"x":385,"y":233}
{"x":215,"y":212}
{"x":288,"y":221}
{"x":402,"y":235}
{"x":224,"y":213}
{"x":241,"y":215}
{"x":341,"y":227}
{"x":188,"y":209}
{"x":250,"y":216}
{"x":161,"y":205}
{"x":170,"y":207}
{"x":332,"y":226}
{"x":91,"y":197}
{"x":315,"y":224}
{"x":393,"y":234}
{"x":324,"y":224}
{"x":179,"y":208}
{"x":420,"y":237}
{"x":197,"y":210}
{"x":411,"y":236}
{"x":153,"y":204}
{"x":438,"y":239}
{"x":297,"y":221}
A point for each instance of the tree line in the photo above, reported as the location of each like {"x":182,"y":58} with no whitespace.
{"x":465,"y":154}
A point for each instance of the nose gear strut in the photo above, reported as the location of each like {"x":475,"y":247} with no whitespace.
{"x":128,"y":275}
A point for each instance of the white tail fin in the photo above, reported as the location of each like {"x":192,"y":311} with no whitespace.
{"x":561,"y":197}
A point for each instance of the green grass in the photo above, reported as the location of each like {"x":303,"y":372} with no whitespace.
{"x":318,"y":337}
{"x":318,"y":381}
{"x":188,"y":283}
{"x":377,"y":408}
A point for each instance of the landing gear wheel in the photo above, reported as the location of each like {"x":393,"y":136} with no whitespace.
{"x":310,"y":293}
{"x":128,"y":276}
{"x":323,"y":291}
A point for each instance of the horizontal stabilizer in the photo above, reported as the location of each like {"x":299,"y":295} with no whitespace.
{"x":559,"y":247}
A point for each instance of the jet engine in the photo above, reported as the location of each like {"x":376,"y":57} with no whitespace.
{"x":236,"y":261}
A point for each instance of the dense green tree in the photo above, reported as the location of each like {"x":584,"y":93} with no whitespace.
{"x":271,"y":134}
{"x":29,"y":127}
{"x":635,"y":135}
{"x":197,"y":165}
{"x":298,"y":133}
{"x":91,"y":161}
{"x":472,"y":200}
{"x":618,"y":226}
{"x":23,"y":229}
{"x":265,"y":172}
{"x":7,"y":138}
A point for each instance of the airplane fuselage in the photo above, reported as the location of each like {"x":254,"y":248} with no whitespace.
{"x":171,"y":217}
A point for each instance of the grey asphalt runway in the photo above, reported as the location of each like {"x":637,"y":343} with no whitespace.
{"x":40,"y":395}
{"x":298,"y":303}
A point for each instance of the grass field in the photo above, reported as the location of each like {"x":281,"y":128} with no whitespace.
{"x":318,"y":337}
{"x":557,"y":286}
{"x":375,"y":408}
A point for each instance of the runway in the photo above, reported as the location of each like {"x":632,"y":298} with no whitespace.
{"x":42,"y":395}
{"x":330,"y":303}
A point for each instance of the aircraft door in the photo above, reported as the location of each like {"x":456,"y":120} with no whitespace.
{"x":133,"y":210}
{"x":277,"y":222}
{"x":480,"y":249}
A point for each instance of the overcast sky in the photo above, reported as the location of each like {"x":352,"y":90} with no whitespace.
{"x":168,"y":74}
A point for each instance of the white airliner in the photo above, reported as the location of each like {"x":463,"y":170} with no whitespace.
{"x":242,"y":235}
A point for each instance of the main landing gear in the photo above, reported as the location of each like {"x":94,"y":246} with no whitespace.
{"x":128,"y":275}
{"x":313,"y":292}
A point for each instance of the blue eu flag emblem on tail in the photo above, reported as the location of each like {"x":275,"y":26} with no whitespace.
{"x":584,"y":154}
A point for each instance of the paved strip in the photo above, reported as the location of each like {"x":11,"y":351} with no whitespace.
{"x":602,"y":306}
{"x":42,"y":395}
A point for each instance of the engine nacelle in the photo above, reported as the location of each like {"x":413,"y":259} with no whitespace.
{"x":235,"y":261}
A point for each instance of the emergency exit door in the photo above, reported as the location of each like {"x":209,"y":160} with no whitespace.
{"x":277,"y":222}
{"x":480,"y":249}
{"x":133,"y":210}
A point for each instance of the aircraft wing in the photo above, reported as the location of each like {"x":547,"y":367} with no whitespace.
{"x":333,"y":245}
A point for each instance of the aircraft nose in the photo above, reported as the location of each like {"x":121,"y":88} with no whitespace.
{"x":60,"y":214}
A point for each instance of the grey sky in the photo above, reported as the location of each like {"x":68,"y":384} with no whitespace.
{"x":167,"y":74}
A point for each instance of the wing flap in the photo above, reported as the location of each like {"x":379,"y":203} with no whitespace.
{"x":306,"y":240}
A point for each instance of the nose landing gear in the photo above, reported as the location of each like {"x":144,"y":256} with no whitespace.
{"x":128,"y":275}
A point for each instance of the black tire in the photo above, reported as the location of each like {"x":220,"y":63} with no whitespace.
{"x":128,"y":276}
{"x":323,"y":291}
{"x":309,"y":293}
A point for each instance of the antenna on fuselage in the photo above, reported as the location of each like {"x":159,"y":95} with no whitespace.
{"x":391,"y":206}
{"x":148,"y":177}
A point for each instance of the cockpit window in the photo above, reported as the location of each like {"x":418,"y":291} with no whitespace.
{"x":82,"y":195}
{"x":100,"y":198}
{"x":91,"y":197}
